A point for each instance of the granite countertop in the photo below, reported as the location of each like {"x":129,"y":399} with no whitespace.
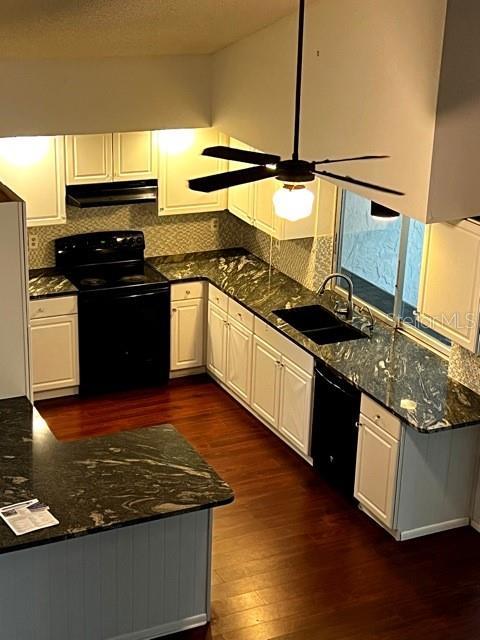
{"x":408,"y":379}
{"x":99,"y":483}
{"x":46,"y":283}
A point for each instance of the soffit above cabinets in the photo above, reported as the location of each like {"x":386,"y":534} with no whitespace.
{"x":100,"y":28}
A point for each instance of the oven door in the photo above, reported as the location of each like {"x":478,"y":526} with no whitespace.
{"x":124,"y":339}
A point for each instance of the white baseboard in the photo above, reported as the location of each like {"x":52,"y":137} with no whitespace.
{"x":475,"y":525}
{"x":164,"y":629}
{"x":182,"y":373}
{"x":55,"y":393}
{"x":409,"y":534}
{"x":434,"y":528}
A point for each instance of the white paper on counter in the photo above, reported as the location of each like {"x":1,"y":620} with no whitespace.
{"x":25,"y":517}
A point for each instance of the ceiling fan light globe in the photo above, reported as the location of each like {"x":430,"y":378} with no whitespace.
{"x":293,"y":202}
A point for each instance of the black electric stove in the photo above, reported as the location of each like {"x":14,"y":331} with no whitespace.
{"x":123,"y":310}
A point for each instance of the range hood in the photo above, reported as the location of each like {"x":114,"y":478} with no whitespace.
{"x":112,"y":193}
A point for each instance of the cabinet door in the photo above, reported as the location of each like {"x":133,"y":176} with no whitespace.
{"x":217,"y":341}
{"x":89,"y":158}
{"x":178,"y":164}
{"x":376,"y":471}
{"x":239,"y":360}
{"x":265,"y":380}
{"x":34,"y":168}
{"x":186,"y":334}
{"x":54,"y":352}
{"x":134,"y":156}
{"x":450,"y":281}
{"x":295,"y":405}
{"x":241,"y":199}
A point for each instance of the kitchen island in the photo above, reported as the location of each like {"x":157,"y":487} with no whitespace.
{"x":130,"y":558}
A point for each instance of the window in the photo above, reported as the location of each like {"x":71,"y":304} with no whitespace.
{"x":383,"y":257}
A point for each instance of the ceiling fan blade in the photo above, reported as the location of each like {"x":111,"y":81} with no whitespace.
{"x":230,"y":179}
{"x":360,"y":183}
{"x":331,"y":160}
{"x":240,"y":155}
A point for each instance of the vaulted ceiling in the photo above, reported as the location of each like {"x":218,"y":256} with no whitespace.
{"x":101,"y":28}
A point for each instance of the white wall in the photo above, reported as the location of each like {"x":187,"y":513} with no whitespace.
{"x":456,"y":159}
{"x":50,"y":97}
{"x":372,"y":88}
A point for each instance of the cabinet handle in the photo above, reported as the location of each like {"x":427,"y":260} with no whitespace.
{"x":377,"y":418}
{"x":41,"y":310}
{"x":174,"y":310}
{"x":187,"y":292}
{"x":357,"y":424}
{"x":278,"y":363}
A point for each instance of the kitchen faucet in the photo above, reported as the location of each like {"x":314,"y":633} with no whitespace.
{"x":347,"y":311}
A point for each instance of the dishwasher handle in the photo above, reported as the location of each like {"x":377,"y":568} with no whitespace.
{"x":335,"y":381}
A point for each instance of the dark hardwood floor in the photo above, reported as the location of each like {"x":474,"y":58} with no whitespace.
{"x":292,"y":559}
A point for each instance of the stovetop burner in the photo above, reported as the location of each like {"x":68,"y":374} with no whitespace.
{"x":92,"y":282}
{"x":134,"y":278}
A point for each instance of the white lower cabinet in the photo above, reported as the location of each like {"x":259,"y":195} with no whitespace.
{"x":187,"y":349}
{"x":413,"y":483}
{"x":239,"y":359}
{"x":295,"y":405}
{"x":376,"y":470}
{"x":270,"y":374}
{"x":54,"y":344}
{"x":265,"y":380}
{"x":217,"y":341}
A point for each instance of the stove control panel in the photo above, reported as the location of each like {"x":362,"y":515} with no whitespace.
{"x":98,"y":247}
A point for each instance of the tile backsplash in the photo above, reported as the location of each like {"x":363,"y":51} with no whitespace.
{"x":307,"y":260}
{"x":163,"y":235}
{"x":464,"y":367}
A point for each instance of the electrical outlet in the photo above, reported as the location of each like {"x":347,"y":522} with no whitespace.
{"x":32,"y":241}
{"x":214,"y":224}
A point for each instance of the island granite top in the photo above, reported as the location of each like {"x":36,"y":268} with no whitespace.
{"x":99,"y":483}
{"x":405,"y":377}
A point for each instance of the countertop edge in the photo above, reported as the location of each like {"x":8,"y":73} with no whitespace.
{"x":22,"y":546}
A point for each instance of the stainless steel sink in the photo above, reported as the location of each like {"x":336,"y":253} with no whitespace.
{"x":319,"y":324}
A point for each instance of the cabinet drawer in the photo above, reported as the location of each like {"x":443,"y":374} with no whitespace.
{"x":240,"y":314}
{"x":274,"y":338}
{"x":187,"y":290}
{"x":61,"y":306}
{"x":218,"y":297}
{"x":380,"y":416}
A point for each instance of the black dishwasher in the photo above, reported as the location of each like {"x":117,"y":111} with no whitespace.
{"x":334,"y":431}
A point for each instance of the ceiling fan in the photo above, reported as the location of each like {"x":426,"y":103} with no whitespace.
{"x":294,"y":201}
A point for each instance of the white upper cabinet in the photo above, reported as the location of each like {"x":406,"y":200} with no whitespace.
{"x":89,"y":158}
{"x":34,"y":169}
{"x":180,"y":158}
{"x":134,"y":156}
{"x":449,"y":294}
{"x":107,"y":157}
{"x":241,"y":199}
